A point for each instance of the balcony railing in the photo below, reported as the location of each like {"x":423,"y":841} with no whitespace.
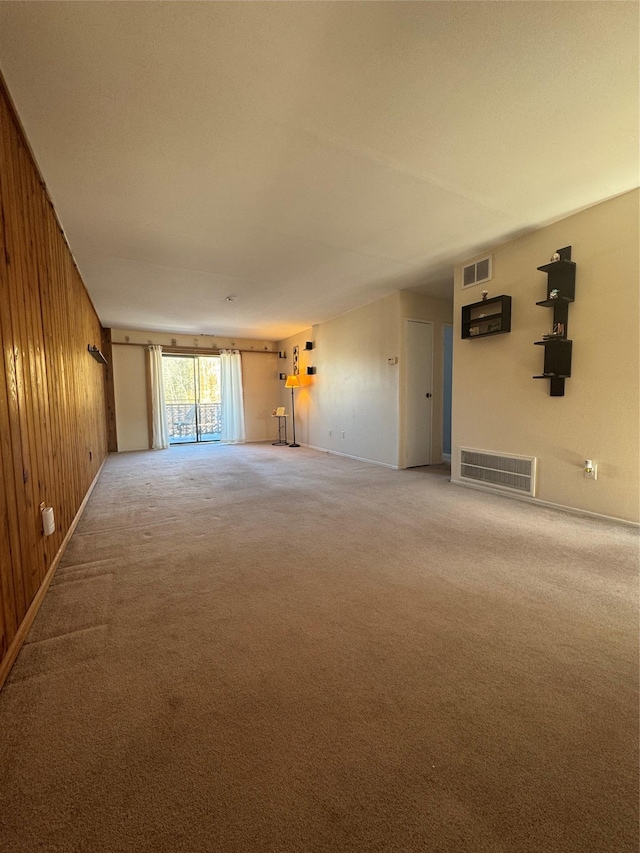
{"x":194,"y":422}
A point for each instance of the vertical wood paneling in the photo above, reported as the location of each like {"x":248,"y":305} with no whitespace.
{"x":8,"y":608}
{"x":20,"y":285}
{"x":107,"y":351}
{"x":14,"y":475}
{"x":53,"y":423}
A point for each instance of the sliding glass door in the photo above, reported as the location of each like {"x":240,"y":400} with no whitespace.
{"x":192,"y":396}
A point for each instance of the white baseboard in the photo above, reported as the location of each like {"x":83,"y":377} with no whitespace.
{"x":527,"y":499}
{"x":349,"y":456}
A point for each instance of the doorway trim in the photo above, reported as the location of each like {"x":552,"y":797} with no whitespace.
{"x":446,"y":457}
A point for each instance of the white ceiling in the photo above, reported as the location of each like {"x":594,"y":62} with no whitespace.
{"x":309,"y":157}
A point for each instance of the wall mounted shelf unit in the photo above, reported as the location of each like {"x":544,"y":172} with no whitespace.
{"x":95,"y":352}
{"x":489,"y":317}
{"x":561,"y":289}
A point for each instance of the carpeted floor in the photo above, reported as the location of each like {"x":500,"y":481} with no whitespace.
{"x":266,"y":649}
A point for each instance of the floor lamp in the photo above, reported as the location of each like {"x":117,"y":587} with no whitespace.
{"x":293,"y":382}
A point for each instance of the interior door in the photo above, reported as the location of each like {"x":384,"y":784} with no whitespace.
{"x":418,"y":393}
{"x":447,"y":389}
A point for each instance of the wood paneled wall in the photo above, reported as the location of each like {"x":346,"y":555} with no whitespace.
{"x":53,"y":428}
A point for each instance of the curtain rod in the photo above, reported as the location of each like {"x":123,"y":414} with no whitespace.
{"x":192,"y":350}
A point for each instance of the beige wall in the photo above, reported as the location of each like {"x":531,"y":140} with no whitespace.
{"x":497,"y":406}
{"x":191,"y":342}
{"x":261,"y":394}
{"x":130,"y":386}
{"x":259,"y":370}
{"x":355,"y":389}
{"x":304,"y":396}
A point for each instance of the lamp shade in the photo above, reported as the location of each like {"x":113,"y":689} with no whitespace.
{"x":292,"y":382}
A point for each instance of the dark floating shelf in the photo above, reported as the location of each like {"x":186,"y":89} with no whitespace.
{"x":484,"y":318}
{"x":550,"y":303}
{"x":501,"y":318}
{"x":487,"y":334}
{"x":561,"y":282}
{"x":95,"y":352}
{"x":563,"y":264}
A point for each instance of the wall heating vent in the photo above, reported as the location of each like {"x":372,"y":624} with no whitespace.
{"x":477,"y":273}
{"x":502,"y":470}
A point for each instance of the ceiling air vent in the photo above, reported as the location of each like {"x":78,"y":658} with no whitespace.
{"x":477,"y":273}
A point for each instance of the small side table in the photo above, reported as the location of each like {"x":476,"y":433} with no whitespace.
{"x":282,"y":430}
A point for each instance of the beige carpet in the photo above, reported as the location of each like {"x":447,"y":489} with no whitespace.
{"x":266,"y":649}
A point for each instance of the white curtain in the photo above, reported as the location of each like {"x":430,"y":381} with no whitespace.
{"x":160,"y":430}
{"x":232,"y":400}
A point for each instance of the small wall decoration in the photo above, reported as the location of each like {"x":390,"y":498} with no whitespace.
{"x":296,"y":360}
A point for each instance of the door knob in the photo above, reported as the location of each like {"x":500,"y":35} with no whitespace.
{"x":427,"y":394}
